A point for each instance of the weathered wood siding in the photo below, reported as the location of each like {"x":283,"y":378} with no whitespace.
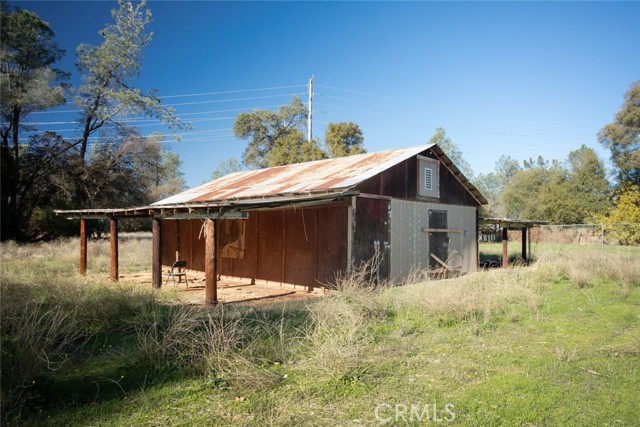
{"x":401,"y":181}
{"x":304,"y":246}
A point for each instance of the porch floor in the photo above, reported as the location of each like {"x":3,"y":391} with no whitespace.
{"x":230,"y":289}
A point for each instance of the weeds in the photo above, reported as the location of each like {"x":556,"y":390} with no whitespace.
{"x":282,"y":354}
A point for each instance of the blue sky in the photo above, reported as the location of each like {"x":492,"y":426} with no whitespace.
{"x":517,"y":78}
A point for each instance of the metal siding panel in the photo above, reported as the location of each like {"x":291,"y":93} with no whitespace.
{"x":410,"y":246}
{"x":463,"y":218}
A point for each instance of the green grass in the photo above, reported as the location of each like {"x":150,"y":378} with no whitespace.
{"x":542,"y":345}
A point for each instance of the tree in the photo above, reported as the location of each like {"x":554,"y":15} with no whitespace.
{"x":587,"y":180}
{"x":452,"y":151}
{"x":108,"y":70}
{"x":622,"y":137}
{"x":226,"y":167}
{"x":44,"y":184}
{"x":562,"y":193}
{"x":344,"y":139}
{"x":107,"y":93}
{"x":28,"y":83}
{"x":625,"y":210}
{"x":268,"y":130}
{"x":127,"y":169}
{"x":293,"y":148}
{"x":492,"y":185}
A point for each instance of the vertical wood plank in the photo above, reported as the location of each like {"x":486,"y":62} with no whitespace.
{"x":83,"y":246}
{"x":256,"y":259}
{"x":524,"y":245}
{"x":210,"y":262}
{"x":505,"y":247}
{"x":477,"y":238}
{"x":178,"y":251}
{"x":284,"y":245}
{"x":350,"y":230}
{"x":113,"y":238}
{"x":156,"y":259}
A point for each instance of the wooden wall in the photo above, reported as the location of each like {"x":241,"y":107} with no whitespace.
{"x":304,"y":246}
{"x":401,"y":181}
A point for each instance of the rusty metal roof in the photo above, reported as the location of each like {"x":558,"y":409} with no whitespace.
{"x":292,"y":185}
{"x":317,"y":177}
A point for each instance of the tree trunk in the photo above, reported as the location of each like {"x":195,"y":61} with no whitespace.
{"x":6,"y":157}
{"x":11,"y":230}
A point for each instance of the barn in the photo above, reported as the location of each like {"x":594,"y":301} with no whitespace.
{"x":306,"y":223}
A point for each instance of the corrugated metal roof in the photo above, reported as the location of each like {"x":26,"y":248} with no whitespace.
{"x":330,"y":175}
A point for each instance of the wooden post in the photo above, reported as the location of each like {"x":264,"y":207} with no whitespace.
{"x":505,"y":247}
{"x":113,"y":238}
{"x":210,"y":262}
{"x":524,"y":245}
{"x":156,"y":258}
{"x":351,"y":210}
{"x":83,"y":246}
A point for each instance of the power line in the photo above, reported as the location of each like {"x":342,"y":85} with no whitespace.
{"x":230,"y":91}
{"x":366,"y":94}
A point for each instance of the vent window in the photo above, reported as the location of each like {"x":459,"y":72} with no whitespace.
{"x":428,"y":179}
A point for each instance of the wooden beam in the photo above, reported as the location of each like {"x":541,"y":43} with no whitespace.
{"x":210,"y":262}
{"x":351,"y":211}
{"x":156,"y":259}
{"x":524,"y":245}
{"x":83,"y":246}
{"x":113,"y":238}
{"x":441,"y":262}
{"x":505,"y":247}
{"x":441,"y":230}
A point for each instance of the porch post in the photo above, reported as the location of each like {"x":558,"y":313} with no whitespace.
{"x":210,"y":262}
{"x":156,"y":259}
{"x":113,"y":237}
{"x":505,"y":247}
{"x":83,"y":246}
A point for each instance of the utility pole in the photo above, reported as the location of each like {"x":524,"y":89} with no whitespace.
{"x":310,"y":118}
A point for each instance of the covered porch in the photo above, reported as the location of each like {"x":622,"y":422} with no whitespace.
{"x":210,"y":214}
{"x":506,"y":225}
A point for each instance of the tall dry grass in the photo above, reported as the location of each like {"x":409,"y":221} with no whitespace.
{"x":49,"y":313}
{"x":587,"y":269}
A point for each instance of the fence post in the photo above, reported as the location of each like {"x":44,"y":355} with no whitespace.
{"x":601,"y":241}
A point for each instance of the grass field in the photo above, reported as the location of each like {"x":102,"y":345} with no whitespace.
{"x":555,"y":343}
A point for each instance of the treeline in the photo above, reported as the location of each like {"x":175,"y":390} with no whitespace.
{"x":107,"y":164}
{"x":576,"y":190}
